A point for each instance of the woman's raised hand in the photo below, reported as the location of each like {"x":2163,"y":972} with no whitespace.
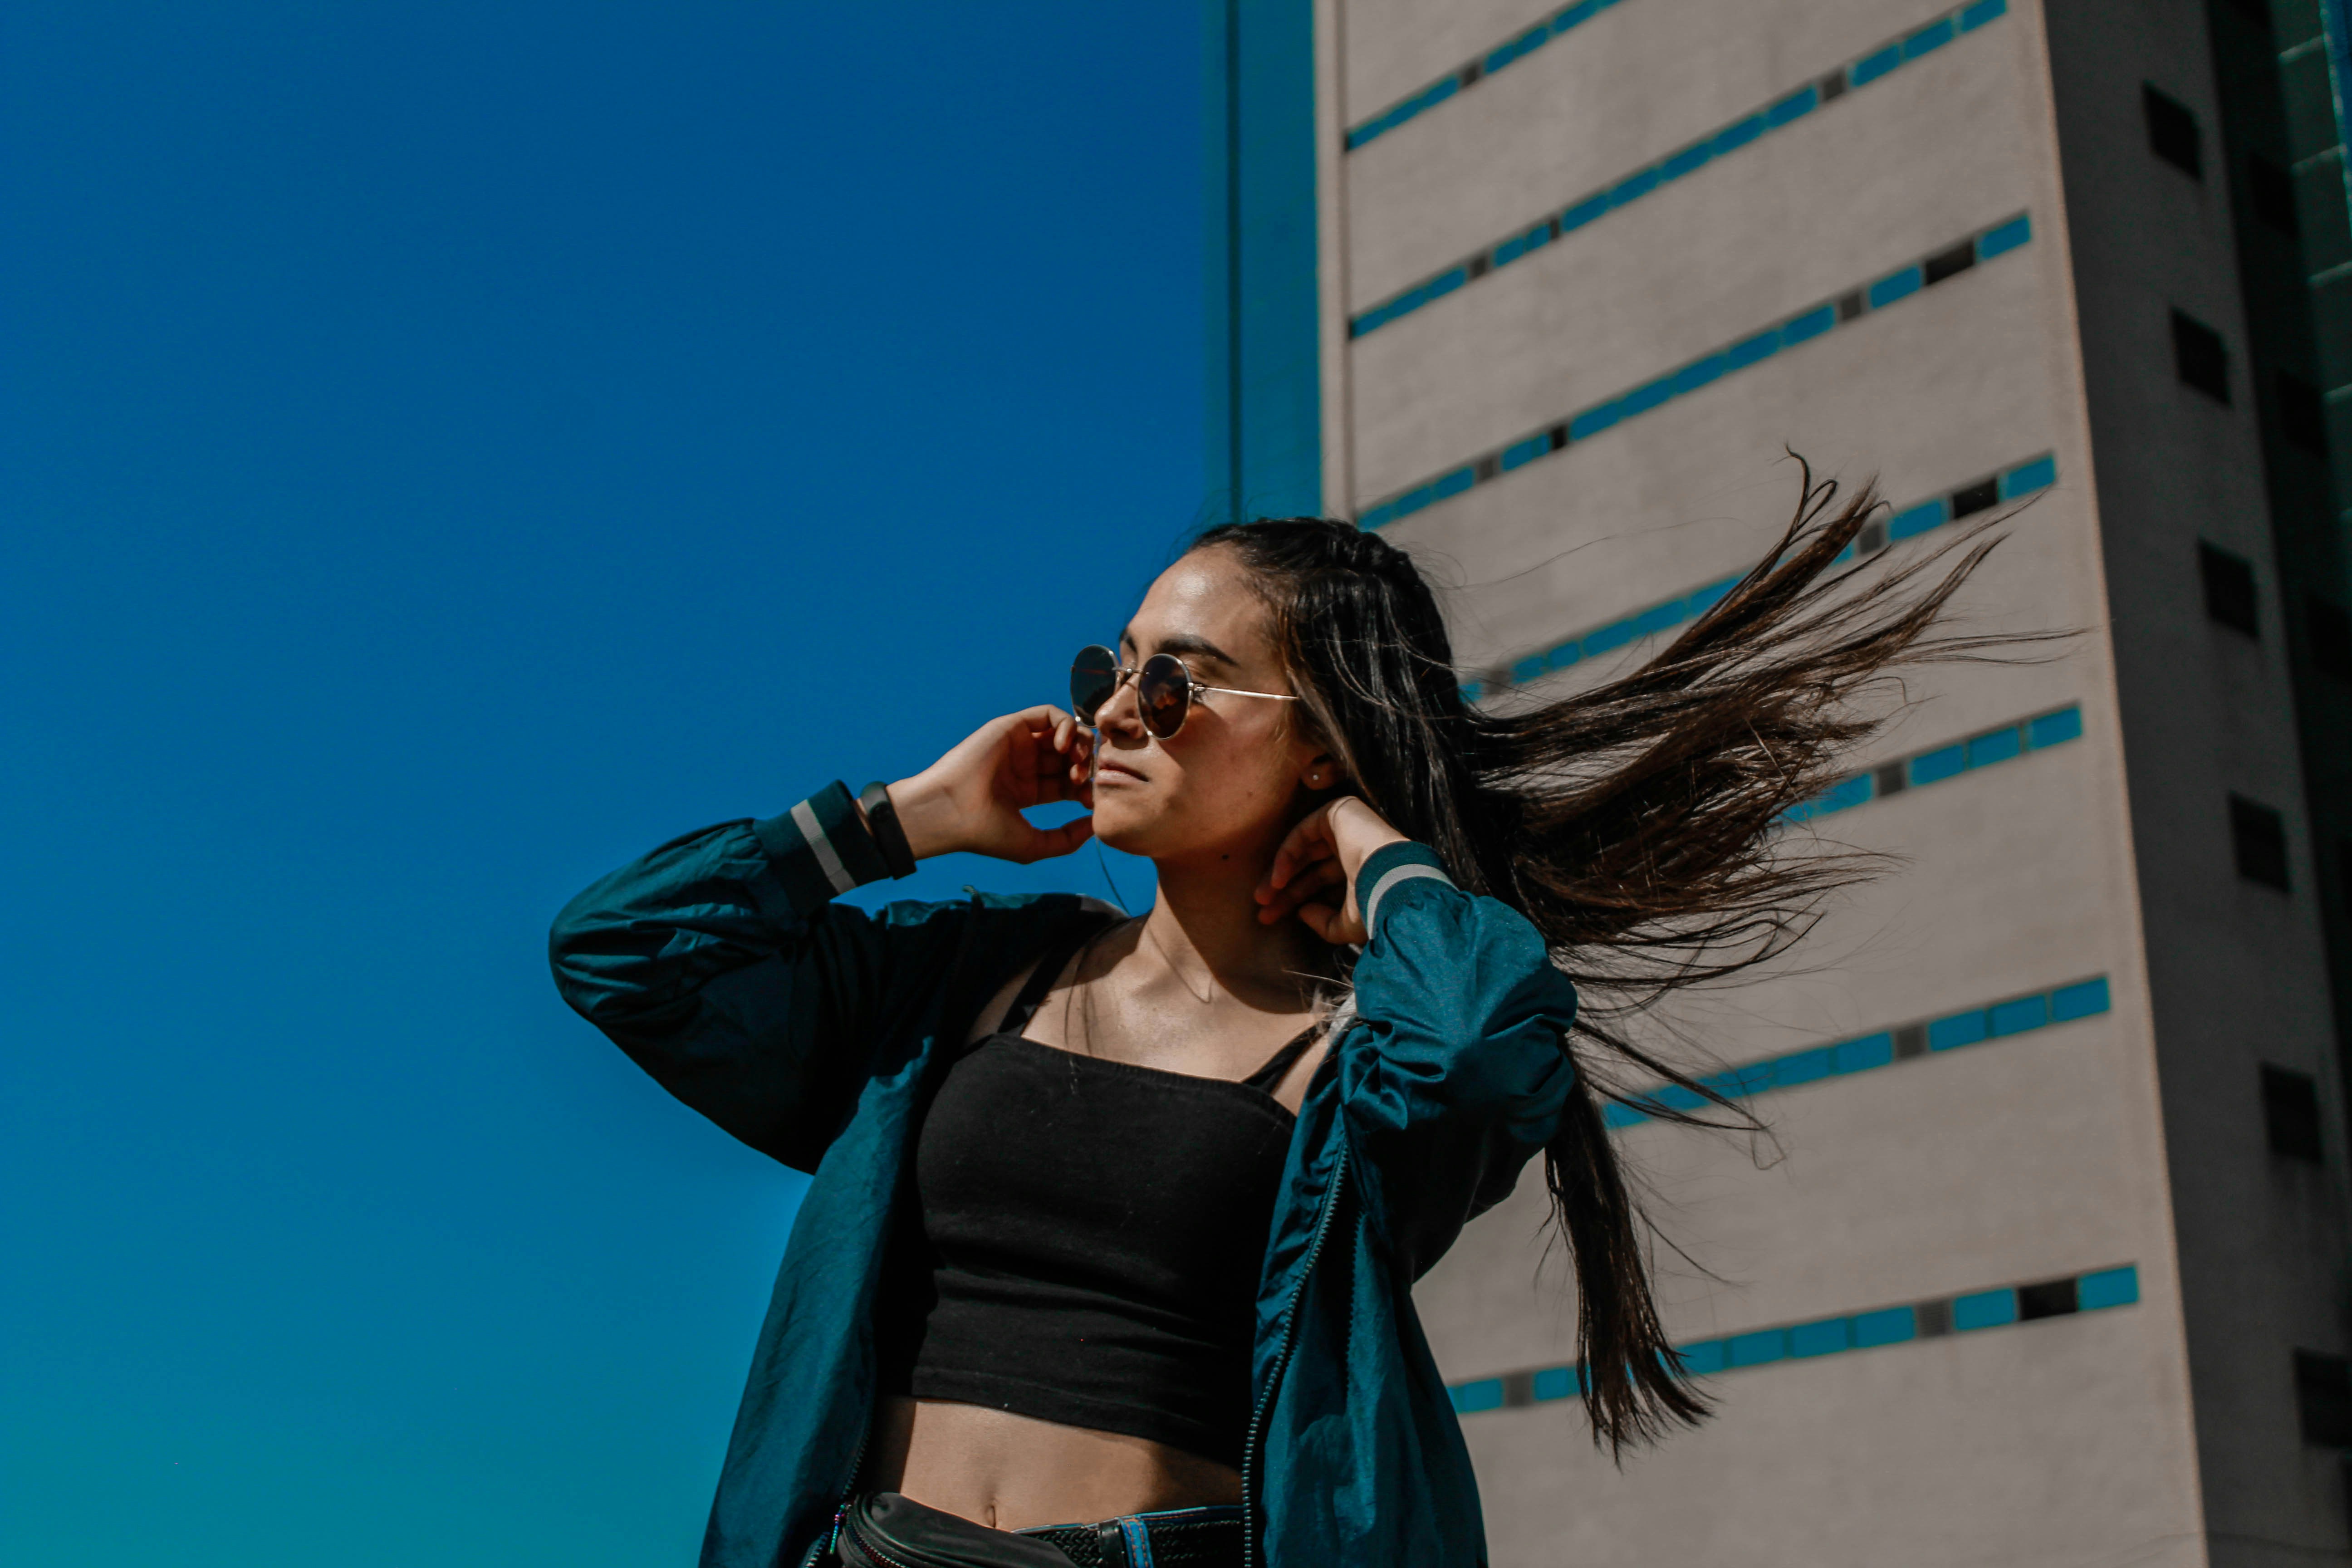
{"x":971,"y":798}
{"x":1322,"y":854}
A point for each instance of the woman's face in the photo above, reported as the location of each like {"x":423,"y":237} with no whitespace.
{"x":1229,"y":781}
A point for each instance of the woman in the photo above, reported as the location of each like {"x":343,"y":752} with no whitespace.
{"x":1108,"y":1254}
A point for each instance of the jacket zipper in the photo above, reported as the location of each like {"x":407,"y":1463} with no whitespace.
{"x":867,"y":1547}
{"x":829,"y":1539}
{"x":1282,"y":1358}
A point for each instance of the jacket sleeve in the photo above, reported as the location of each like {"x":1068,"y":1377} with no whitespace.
{"x":1458,"y":1067}
{"x":718,"y":962}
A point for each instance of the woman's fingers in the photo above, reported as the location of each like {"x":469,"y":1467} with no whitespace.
{"x":1046,"y":843}
{"x":1067,"y":765}
{"x":1321,"y":875}
{"x":1303,"y":886}
{"x":1308,"y":879}
{"x":1024,"y":760}
{"x":1334,"y":922}
{"x":972,"y":797}
{"x":1063,"y":774}
{"x":1059,"y":760}
{"x":1309,"y":842}
{"x":1030,"y":764}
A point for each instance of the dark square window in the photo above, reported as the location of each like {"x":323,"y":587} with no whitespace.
{"x":2270,"y":191}
{"x":2331,"y":637}
{"x":1849,"y":305}
{"x":1982,"y":496}
{"x":2172,"y":132}
{"x":2228,"y":589}
{"x":2299,"y":418}
{"x":2051,"y":1299}
{"x":2198,"y":357}
{"x":2291,"y":1113}
{"x":2258,"y":833}
{"x":1892,"y":779}
{"x":1833,"y":85}
{"x":1944,"y":263}
{"x":2323,"y":1397}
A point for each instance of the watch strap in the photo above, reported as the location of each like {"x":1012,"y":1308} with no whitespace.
{"x":889,"y":837}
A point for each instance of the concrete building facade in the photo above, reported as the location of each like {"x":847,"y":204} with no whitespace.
{"x":2045,"y":1261}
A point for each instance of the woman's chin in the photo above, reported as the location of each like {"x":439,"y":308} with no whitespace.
{"x":1131,"y":828}
{"x":1152,"y":837}
{"x":1127,"y":838}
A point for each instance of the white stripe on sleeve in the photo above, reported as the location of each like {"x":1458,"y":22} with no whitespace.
{"x":1404,"y":873}
{"x":814,"y":831}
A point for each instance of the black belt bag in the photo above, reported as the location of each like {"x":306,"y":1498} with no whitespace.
{"x":884,"y":1529}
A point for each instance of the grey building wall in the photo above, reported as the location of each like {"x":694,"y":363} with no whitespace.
{"x":2159,"y":1425}
{"x":2237,"y":968}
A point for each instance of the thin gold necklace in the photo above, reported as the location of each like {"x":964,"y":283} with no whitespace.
{"x":1206,"y":1001}
{"x":1082,"y":993}
{"x":1082,"y":997}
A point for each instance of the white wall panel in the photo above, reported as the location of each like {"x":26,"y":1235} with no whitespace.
{"x":1825,"y":204}
{"x":1632,"y":85}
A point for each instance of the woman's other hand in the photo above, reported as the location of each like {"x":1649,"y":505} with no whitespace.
{"x":971,"y":799}
{"x":1314,"y":872}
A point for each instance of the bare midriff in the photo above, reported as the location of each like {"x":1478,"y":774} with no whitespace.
{"x":1016,"y":1472}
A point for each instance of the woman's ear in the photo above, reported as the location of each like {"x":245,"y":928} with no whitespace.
{"x":1323,"y":772}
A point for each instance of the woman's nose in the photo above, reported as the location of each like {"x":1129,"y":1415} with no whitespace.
{"x":1120,"y":719}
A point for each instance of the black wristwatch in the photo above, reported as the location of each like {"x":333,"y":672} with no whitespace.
{"x":882,"y":820}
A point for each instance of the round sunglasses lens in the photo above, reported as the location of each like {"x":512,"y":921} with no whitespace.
{"x":1164,"y":692}
{"x":1094,"y":677}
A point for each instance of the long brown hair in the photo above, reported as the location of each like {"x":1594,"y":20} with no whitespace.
{"x":1635,"y":823}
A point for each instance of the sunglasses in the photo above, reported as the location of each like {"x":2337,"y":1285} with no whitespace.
{"x":1164,"y":689}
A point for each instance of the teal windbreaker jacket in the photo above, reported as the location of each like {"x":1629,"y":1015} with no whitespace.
{"x":815,"y":1032}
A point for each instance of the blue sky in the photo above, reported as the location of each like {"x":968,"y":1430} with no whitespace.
{"x":450,"y":450}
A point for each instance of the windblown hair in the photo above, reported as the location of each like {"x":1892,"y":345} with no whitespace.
{"x":1637,"y":824}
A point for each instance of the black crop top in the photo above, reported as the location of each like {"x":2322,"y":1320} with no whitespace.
{"x":1084,"y":1239}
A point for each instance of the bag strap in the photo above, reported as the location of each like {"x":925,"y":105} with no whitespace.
{"x":885,"y":1528}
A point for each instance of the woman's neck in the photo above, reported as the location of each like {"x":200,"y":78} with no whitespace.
{"x":1203,"y":925}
